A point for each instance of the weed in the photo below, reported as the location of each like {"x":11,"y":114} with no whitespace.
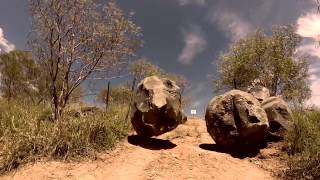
{"x":304,"y":146}
{"x":27,"y":133}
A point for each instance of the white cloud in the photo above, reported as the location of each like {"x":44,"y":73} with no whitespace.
{"x":315,"y":84}
{"x":308,"y":26}
{"x":315,"y":88}
{"x":195,"y":43}
{"x":232,"y":23}
{"x":5,"y":45}
{"x":187,"y":2}
{"x":311,"y":49}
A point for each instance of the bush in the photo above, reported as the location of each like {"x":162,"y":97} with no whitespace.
{"x":27,"y":133}
{"x":304,"y":147}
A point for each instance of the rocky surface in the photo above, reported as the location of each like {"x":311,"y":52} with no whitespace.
{"x":279,"y":115}
{"x":157,"y":107}
{"x":236,"y":117}
{"x":259,"y":92}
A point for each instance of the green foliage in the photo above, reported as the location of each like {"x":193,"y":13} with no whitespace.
{"x":120,"y":95}
{"x":181,"y":81}
{"x":142,"y":68}
{"x":304,"y":146}
{"x":20,"y":76}
{"x":27,"y":133}
{"x":269,"y":61}
{"x":23,"y":79}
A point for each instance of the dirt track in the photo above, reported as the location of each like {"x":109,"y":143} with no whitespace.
{"x":185,"y":153}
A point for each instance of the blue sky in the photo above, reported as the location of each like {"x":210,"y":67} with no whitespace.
{"x":186,"y":36}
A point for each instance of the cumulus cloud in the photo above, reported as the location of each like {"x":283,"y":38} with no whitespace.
{"x":5,"y":45}
{"x":195,"y":43}
{"x":315,"y":88}
{"x":308,"y":26}
{"x":311,"y":49}
{"x":232,"y":23}
{"x":314,"y":72}
{"x":187,"y":2}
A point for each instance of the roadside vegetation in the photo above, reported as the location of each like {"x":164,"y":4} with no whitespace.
{"x":28,"y":133}
{"x":304,"y":147}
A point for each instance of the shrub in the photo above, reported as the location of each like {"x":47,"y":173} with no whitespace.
{"x":304,"y":146}
{"x":27,"y":133}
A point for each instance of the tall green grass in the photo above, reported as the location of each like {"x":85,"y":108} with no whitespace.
{"x":27,"y":133}
{"x":304,"y":147}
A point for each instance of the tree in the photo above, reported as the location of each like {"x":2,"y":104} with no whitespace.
{"x":22,"y":79}
{"x":181,"y":81}
{"x":142,"y":68}
{"x":20,"y":76}
{"x":269,"y":61}
{"x":120,"y":94}
{"x":77,"y":39}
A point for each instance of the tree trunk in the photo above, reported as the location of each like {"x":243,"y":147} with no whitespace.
{"x":133,"y":84}
{"x":58,"y":107}
{"x":235,"y":83}
{"x":107,"y":98}
{"x":274,"y":86}
{"x":57,"y":115}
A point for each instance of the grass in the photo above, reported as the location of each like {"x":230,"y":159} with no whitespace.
{"x":27,"y":134}
{"x":304,"y":147}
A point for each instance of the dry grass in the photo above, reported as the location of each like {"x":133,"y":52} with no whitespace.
{"x":304,"y":147}
{"x":27,"y":134}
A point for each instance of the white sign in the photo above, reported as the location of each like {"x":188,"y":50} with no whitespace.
{"x":193,"y":112}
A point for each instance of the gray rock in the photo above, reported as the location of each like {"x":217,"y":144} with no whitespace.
{"x":279,"y":115}
{"x":157,"y":107}
{"x":259,"y":92}
{"x":235,"y":118}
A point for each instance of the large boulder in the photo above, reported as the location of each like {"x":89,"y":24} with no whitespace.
{"x":236,"y":118}
{"x":157,"y":107}
{"x":279,"y":115}
{"x":259,"y":92}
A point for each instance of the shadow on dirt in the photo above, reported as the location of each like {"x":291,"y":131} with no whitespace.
{"x":240,"y":152}
{"x":150,"y":143}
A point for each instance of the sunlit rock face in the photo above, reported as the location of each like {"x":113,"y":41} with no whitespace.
{"x":236,"y":118}
{"x":259,"y":92}
{"x":157,"y":107}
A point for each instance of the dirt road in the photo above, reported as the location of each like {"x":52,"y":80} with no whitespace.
{"x":185,"y":153}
